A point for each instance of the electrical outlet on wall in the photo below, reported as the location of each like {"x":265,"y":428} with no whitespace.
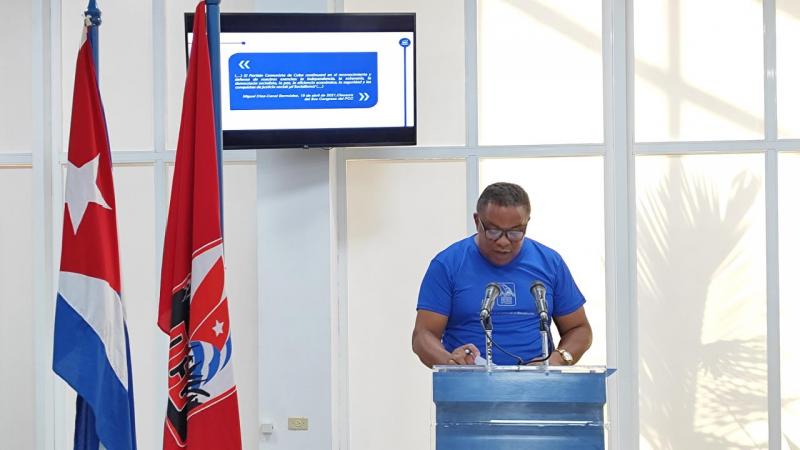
{"x":298,"y":423}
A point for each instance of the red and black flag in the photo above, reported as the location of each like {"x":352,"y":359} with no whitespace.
{"x":202,"y":409}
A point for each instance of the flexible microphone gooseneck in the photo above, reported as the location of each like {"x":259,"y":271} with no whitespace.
{"x":539,"y":293}
{"x":489,"y":299}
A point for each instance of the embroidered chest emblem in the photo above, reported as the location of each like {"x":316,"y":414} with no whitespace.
{"x":508,"y":294}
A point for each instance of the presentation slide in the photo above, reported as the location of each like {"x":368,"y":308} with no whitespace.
{"x":304,"y":80}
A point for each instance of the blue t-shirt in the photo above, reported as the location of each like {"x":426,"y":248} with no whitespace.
{"x":455,"y":284}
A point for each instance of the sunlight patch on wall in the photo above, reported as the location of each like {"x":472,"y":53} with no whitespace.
{"x":788,"y":68}
{"x":789,"y":248}
{"x":706,"y":65}
{"x":567,"y":215}
{"x":540,"y":74}
{"x":702,"y":301}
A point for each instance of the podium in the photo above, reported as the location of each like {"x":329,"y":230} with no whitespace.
{"x":519,"y":407}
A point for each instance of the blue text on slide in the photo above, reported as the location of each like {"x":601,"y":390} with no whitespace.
{"x":303,"y":80}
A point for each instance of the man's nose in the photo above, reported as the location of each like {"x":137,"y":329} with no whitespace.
{"x":504,"y":240}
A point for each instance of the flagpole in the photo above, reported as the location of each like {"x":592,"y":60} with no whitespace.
{"x":212,"y":19}
{"x":93,"y":19}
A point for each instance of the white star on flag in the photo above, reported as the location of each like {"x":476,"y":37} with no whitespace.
{"x":217,"y":328}
{"x":82,"y":190}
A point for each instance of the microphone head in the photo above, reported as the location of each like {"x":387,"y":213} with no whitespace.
{"x":492,"y":292}
{"x":538,"y":289}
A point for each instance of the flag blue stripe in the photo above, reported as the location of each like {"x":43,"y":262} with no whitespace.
{"x":228,"y":351}
{"x":131,"y":411}
{"x":85,"y":436}
{"x":79,"y":357}
{"x":213,"y":366}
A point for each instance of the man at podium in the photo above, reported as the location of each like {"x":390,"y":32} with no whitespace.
{"x":497,"y":273}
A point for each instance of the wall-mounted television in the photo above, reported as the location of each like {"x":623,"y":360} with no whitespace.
{"x":316,"y":80}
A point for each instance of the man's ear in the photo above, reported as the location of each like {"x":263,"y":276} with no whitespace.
{"x":475,"y":219}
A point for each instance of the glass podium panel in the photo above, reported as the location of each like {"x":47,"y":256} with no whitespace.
{"x":511,"y":407}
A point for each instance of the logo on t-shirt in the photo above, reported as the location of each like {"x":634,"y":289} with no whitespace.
{"x":508,"y":294}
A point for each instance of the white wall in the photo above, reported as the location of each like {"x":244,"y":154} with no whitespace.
{"x":294,"y":285}
{"x":16,"y":123}
{"x":295,"y":232}
{"x":16,"y":310}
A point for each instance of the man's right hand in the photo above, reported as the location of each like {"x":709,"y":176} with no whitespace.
{"x":426,"y":341}
{"x":465,"y":354}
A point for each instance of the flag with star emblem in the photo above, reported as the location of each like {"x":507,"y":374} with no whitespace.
{"x":91,"y":349}
{"x":202,"y":404}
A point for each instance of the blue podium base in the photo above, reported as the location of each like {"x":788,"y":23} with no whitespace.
{"x":514,"y":407}
{"x":508,"y":437}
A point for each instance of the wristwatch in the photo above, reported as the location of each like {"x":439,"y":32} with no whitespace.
{"x":566,"y":356}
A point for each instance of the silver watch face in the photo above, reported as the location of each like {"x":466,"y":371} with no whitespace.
{"x":566,"y":356}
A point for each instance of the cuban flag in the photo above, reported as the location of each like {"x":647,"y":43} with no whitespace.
{"x":91,"y":349}
{"x":202,"y":404}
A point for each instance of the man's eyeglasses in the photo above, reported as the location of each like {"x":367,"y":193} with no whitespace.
{"x":495,"y":234}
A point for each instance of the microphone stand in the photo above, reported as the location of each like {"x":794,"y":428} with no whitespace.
{"x":545,"y":341}
{"x":538,"y":291}
{"x":486,"y":322}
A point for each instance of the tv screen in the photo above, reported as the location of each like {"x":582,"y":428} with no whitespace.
{"x":316,"y":80}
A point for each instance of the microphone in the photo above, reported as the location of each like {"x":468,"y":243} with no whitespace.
{"x":538,"y":291}
{"x":492,"y":291}
{"x":489,"y":298}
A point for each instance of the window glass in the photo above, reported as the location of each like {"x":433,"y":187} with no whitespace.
{"x":400,"y":214}
{"x":788,"y":68}
{"x":440,"y":65}
{"x":701,"y":298}
{"x":540,"y":72}
{"x":788,"y":187}
{"x":698,"y":70}
{"x":135,"y":196}
{"x":567,"y":215}
{"x":125,"y":69}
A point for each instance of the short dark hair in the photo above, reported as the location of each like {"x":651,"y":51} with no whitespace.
{"x":504,"y":194}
